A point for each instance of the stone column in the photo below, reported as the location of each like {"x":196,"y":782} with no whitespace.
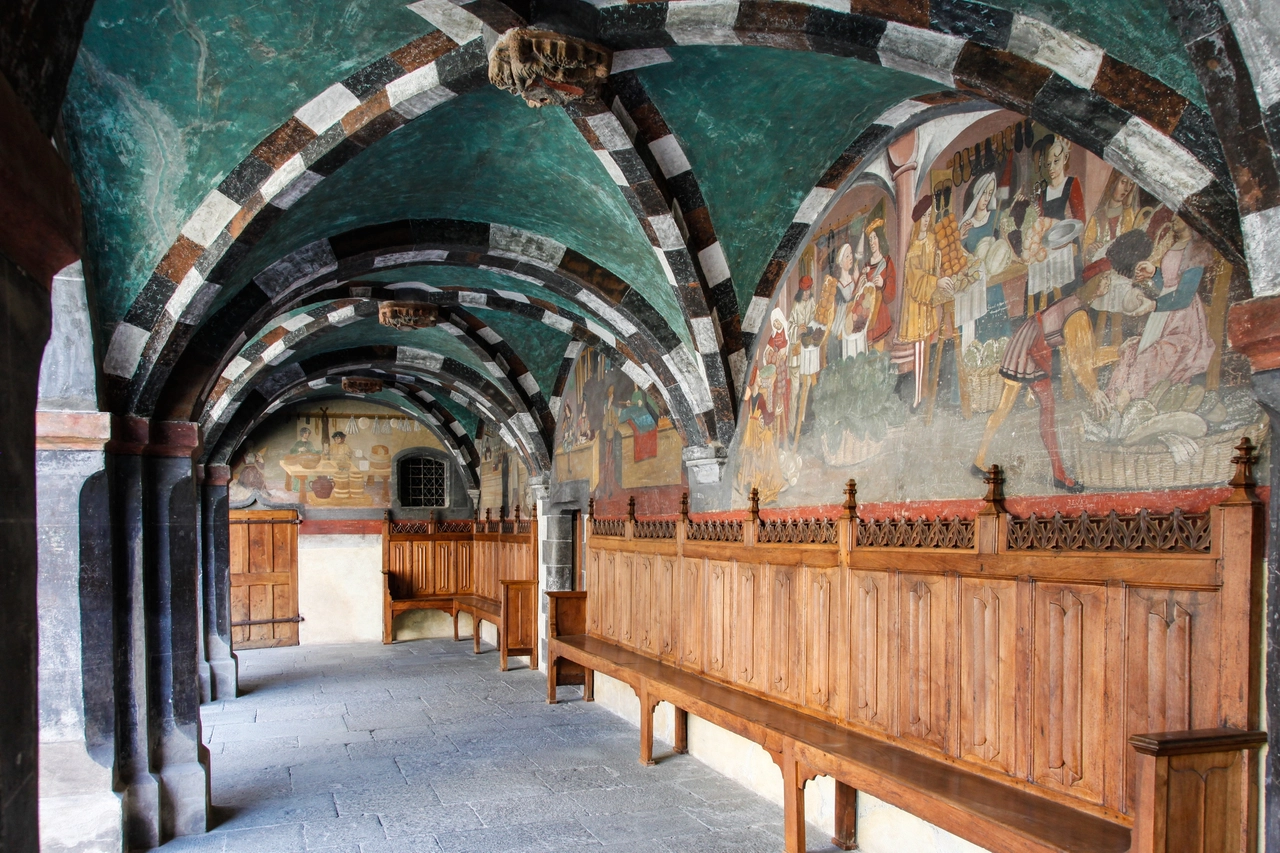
{"x":140,"y":787}
{"x":555,"y":554}
{"x":171,"y":584}
{"x":1254,"y":329}
{"x":79,"y":810}
{"x":24,"y":310}
{"x":216,"y":577}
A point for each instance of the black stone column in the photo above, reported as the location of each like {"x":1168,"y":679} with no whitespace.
{"x":216,"y":577}
{"x":140,"y":788}
{"x":1266,"y":386}
{"x":171,"y":545}
{"x":555,"y":555}
{"x":24,"y":328}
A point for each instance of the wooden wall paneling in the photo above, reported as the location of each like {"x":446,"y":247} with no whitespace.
{"x":745,"y":623}
{"x":922,"y":650}
{"x":668,"y":627}
{"x":825,"y":674}
{"x":1116,"y":753}
{"x":644,"y":628}
{"x":1024,"y":696}
{"x":692,"y":602}
{"x":422,"y":574}
{"x":591,"y":574}
{"x":1171,"y":670}
{"x":463,"y":557}
{"x":719,"y":603}
{"x":442,"y":557}
{"x":870,"y":601}
{"x":1069,"y":678}
{"x":988,"y":673}
{"x":783,"y":645}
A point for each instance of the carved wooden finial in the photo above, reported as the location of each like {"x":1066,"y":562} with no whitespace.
{"x":517,"y":513}
{"x":684,"y":506}
{"x":851,"y":499}
{"x":994,"y":478}
{"x":591,"y":507}
{"x":631,"y":508}
{"x":488,"y":514}
{"x":1242,"y":482}
{"x":755,"y":504}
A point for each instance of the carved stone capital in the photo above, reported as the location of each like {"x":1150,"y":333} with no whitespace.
{"x":705,"y":464}
{"x":547,"y":68}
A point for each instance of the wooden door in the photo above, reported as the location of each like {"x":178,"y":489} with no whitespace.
{"x":264,"y":579}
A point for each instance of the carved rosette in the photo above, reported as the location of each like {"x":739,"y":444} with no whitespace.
{"x":547,"y":68}
{"x":361,"y":385}
{"x":408,"y":315}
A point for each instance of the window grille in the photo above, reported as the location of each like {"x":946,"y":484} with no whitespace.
{"x":422,"y":483}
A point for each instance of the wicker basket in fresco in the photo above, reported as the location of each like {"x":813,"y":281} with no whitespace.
{"x":1101,"y":465}
{"x":850,"y":451}
{"x":985,"y":387}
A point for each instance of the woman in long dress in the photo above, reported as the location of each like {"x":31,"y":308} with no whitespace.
{"x":978,"y":237}
{"x":1118,"y":212}
{"x":776,"y":349}
{"x":760,"y":468}
{"x":1175,"y":344}
{"x":877,"y":287}
{"x":845,"y":283}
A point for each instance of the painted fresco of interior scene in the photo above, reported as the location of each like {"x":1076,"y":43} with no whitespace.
{"x":618,"y":438}
{"x":986,"y":292}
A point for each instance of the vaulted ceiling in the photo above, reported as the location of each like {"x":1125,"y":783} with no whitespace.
{"x":257,"y":176}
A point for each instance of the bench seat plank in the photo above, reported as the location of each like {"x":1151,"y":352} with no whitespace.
{"x":997,"y":816}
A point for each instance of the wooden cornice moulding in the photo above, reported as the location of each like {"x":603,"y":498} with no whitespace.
{"x":72,"y":430}
{"x":1197,"y":741}
{"x":1253,"y":328}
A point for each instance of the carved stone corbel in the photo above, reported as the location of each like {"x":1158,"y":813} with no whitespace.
{"x":547,"y":68}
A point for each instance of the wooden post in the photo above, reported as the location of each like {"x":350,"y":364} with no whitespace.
{"x":792,"y":802}
{"x":751,"y":529}
{"x":990,"y":525}
{"x":387,"y":618}
{"x":1192,"y":791}
{"x":647,"y":706}
{"x":631,"y":517}
{"x":849,"y":520}
{"x":846,"y":837}
{"x":682,"y":732}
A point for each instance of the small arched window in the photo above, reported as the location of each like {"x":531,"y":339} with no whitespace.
{"x":423,"y":482}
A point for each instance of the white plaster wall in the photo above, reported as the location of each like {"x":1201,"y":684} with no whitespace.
{"x":340,"y":588}
{"x":433,"y":624}
{"x":882,"y":828}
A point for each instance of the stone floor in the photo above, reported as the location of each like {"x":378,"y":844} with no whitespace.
{"x":422,"y":747}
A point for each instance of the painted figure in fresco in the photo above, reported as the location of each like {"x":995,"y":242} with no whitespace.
{"x":1118,"y":212}
{"x":1060,"y":198}
{"x":806,"y":336}
{"x":776,"y":355}
{"x":878,"y":286}
{"x":610,"y":448}
{"x":919,"y":319}
{"x":760,"y":467}
{"x":583,"y":433}
{"x":1175,"y":343}
{"x":567,"y":441}
{"x":644,"y":426}
{"x":1028,"y":360}
{"x":845,"y":342}
{"x":252,"y":475}
{"x":303,"y":444}
{"x":340,"y":451}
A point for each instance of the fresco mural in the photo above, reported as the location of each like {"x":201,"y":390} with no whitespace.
{"x":618,"y":438}
{"x":988,"y":293}
{"x":325,"y":455}
{"x":504,"y":479}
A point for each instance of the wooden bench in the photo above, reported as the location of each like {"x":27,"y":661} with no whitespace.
{"x":482,"y":568}
{"x":994,"y":676}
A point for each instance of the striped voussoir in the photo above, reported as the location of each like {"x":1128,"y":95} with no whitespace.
{"x":1124,"y":115}
{"x":317,"y":140}
{"x":287,"y":335}
{"x":702,"y":375}
{"x":1247,"y":126}
{"x":424,"y":409}
{"x":461,"y":383}
{"x":674,"y":176}
{"x":496,"y":248}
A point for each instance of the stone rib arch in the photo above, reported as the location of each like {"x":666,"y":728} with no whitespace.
{"x":462,"y":384}
{"x":464,"y":454}
{"x":286,"y":335}
{"x":495,"y":248}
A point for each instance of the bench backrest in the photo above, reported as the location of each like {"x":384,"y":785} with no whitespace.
{"x":1026,"y":649}
{"x":458,"y":557}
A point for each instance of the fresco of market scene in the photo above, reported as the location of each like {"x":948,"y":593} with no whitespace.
{"x":325,"y":455}
{"x":618,"y":438}
{"x":988,"y":293}
{"x":504,"y":479}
